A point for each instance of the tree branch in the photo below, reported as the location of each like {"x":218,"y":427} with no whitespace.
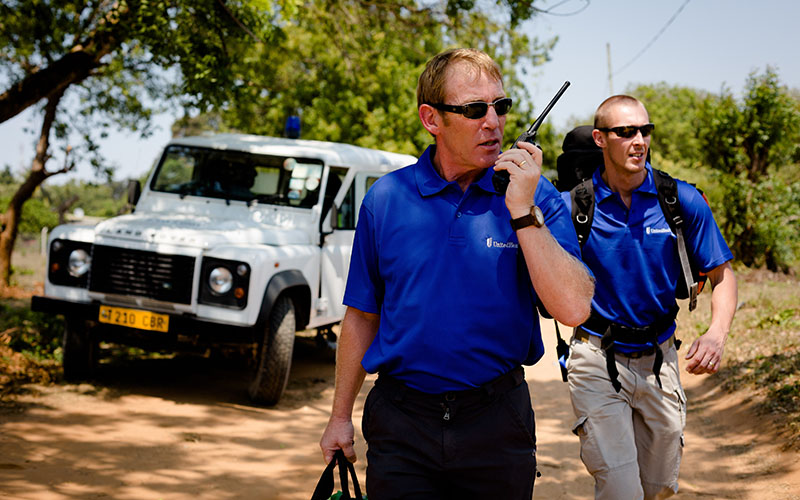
{"x":73,"y":67}
{"x":238,"y":22}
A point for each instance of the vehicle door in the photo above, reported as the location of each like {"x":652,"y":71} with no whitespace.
{"x":338,"y":242}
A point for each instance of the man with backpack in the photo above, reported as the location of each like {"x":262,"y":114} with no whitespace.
{"x":623,"y":365}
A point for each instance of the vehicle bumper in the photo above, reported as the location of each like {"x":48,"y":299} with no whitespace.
{"x":180,"y":325}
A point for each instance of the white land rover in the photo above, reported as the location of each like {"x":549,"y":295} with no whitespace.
{"x":235,"y":239}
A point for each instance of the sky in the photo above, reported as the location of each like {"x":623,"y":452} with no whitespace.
{"x":703,"y":44}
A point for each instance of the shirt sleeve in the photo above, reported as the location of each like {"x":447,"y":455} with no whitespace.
{"x":706,"y":244}
{"x":364,"y":289}
{"x":557,"y":216}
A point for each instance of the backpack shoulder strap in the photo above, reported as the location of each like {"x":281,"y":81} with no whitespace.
{"x":582,"y":197}
{"x":667,"y":189}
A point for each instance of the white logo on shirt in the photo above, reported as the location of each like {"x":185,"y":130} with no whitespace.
{"x":490,"y":243}
{"x":655,"y":230}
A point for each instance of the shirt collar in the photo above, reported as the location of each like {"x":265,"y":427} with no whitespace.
{"x":429,"y":182}
{"x":602,"y":191}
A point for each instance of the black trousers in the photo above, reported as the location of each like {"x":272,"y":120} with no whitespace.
{"x":471,"y":444}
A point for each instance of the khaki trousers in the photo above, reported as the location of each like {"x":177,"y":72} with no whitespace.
{"x":631,"y":441}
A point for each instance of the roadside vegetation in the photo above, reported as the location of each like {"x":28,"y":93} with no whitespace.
{"x":763,"y":350}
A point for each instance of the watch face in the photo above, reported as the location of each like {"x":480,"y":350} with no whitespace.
{"x":538,"y":215}
{"x":534,"y":218}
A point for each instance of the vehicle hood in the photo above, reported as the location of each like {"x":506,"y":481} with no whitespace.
{"x":196,"y":231}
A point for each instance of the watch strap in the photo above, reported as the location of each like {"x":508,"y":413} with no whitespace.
{"x":524,"y":221}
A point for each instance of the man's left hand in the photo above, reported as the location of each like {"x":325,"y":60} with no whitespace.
{"x":705,"y":353}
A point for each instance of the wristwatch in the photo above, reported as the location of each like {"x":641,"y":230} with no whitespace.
{"x":534,"y":218}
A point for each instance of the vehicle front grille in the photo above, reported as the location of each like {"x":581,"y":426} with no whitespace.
{"x":144,"y":274}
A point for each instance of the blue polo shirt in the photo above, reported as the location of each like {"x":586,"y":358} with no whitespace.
{"x":443,"y":269}
{"x":633,"y":253}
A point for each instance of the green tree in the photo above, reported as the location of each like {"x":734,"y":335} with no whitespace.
{"x":753,"y":144}
{"x":105,"y":199}
{"x":754,"y":136}
{"x":673,"y":109}
{"x":6,"y":176}
{"x":252,"y":62}
{"x":37,"y":214}
{"x":760,"y":221}
{"x":108,"y":59}
{"x":361,"y":88}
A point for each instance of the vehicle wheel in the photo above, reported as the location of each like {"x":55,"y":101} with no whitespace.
{"x":79,"y":350}
{"x":275,"y":354}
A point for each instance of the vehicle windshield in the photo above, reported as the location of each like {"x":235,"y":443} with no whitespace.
{"x":237,"y":175}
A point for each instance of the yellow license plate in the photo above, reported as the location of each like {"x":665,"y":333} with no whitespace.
{"x":134,"y":318}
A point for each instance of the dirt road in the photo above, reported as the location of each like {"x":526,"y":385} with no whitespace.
{"x":179,"y":429}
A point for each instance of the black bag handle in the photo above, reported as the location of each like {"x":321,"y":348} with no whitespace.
{"x":324,"y":488}
{"x":562,"y":352}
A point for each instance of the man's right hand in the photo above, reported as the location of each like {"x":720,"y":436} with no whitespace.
{"x":338,"y":435}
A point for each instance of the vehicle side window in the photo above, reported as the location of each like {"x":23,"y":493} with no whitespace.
{"x":370,"y":181}
{"x":347,"y":212}
{"x":335,"y":179}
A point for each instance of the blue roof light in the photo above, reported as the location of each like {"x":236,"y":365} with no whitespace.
{"x":292,"y":130}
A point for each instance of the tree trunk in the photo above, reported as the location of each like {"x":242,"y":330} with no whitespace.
{"x":9,"y":220}
{"x":64,"y":206}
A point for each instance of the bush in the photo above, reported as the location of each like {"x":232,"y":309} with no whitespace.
{"x":759,"y":221}
{"x":36,"y":335}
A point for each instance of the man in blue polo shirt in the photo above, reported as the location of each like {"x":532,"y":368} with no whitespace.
{"x":623,"y":365}
{"x":442,"y":296}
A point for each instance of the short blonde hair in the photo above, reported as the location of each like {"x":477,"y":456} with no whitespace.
{"x":601,"y":115}
{"x":431,"y":84}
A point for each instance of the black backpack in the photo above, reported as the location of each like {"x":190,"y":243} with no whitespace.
{"x":575,"y":166}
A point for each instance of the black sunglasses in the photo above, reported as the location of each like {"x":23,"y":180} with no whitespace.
{"x":629,"y":131}
{"x":476,"y":110}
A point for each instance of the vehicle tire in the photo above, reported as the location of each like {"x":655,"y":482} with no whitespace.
{"x":79,"y":350}
{"x":274,"y":357}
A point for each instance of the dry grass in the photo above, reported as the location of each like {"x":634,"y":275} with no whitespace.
{"x":28,"y":269}
{"x":762,"y":355}
{"x":19,"y":368}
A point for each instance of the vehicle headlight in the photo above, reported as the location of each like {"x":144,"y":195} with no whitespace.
{"x":220,"y":280}
{"x":224,"y":282}
{"x":79,"y":263}
{"x":69,"y":263}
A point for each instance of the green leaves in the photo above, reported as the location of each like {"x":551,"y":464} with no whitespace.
{"x":674,"y":111}
{"x":750,"y":144}
{"x":753,"y":136}
{"x":753,"y":142}
{"x":350,"y":69}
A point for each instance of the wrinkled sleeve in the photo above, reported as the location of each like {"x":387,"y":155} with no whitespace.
{"x":558,"y":219}
{"x":707,"y":246}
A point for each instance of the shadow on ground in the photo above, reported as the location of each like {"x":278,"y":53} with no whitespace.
{"x":209,"y":379}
